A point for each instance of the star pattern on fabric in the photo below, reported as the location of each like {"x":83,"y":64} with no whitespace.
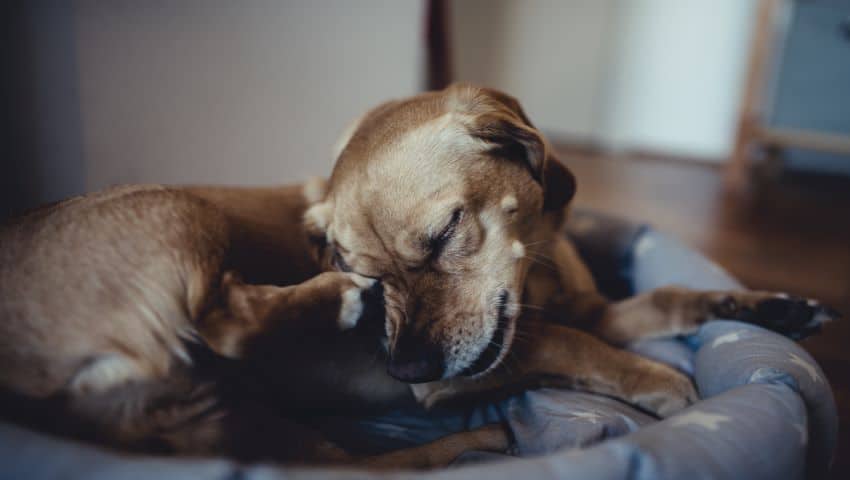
{"x":644,"y":245}
{"x":592,"y":417}
{"x":807,"y":366}
{"x":726,"y":338}
{"x":709,"y":421}
{"x":804,"y":434}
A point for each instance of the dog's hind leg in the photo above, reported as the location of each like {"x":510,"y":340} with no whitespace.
{"x":135,"y":412}
{"x":672,"y":311}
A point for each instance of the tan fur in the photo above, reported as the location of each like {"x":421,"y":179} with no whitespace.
{"x":101,"y":295}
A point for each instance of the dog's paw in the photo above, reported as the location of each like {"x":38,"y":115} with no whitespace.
{"x":353,"y":295}
{"x":664,"y":391}
{"x":356,"y":298}
{"x":794,"y":317}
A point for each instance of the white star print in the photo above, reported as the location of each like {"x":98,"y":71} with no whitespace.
{"x":592,"y":417}
{"x":644,"y":245}
{"x":804,"y":435}
{"x":709,"y":421}
{"x":727,"y":338}
{"x":808,"y":367}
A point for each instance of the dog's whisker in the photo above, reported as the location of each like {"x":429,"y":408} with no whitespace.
{"x":540,"y":257}
{"x":527,"y":305}
{"x":539,"y":262}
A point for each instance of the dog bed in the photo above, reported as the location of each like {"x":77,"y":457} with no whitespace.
{"x":767,"y":410}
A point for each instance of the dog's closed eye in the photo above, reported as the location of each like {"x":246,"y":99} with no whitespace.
{"x":437,"y":243}
{"x":339,"y":263}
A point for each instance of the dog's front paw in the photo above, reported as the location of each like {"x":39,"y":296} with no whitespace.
{"x":792,"y":316}
{"x":356,"y":295}
{"x":355,"y":299}
{"x":664,"y":391}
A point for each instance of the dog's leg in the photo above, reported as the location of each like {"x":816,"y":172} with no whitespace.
{"x":186,"y":416}
{"x":144,"y":414}
{"x":559,"y":356}
{"x":666,"y":311}
{"x":329,"y":302}
{"x":441,"y":452}
{"x":674,"y":310}
{"x":252,"y":432}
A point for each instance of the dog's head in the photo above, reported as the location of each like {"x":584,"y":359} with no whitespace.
{"x":438,"y":196}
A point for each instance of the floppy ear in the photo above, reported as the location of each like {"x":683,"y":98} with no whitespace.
{"x":512,"y":140}
{"x":513,"y":136}
{"x":559,"y":185}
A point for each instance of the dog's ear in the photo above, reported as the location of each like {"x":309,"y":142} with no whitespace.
{"x":559,"y":185}
{"x":511,"y":139}
{"x":513,"y":136}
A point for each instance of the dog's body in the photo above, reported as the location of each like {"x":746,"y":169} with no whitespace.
{"x":448,"y":206}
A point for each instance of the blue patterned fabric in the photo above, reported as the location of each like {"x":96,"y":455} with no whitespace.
{"x":767,"y":410}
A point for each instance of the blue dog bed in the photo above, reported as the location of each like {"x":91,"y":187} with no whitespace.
{"x":767,"y":410}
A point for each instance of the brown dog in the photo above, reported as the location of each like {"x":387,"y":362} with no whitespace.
{"x":446,"y":208}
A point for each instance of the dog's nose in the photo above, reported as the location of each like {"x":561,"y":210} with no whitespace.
{"x":416,"y":360}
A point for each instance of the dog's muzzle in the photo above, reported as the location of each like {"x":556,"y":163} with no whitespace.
{"x":494,"y":348}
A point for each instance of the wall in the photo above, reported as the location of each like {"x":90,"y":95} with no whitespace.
{"x":41,"y":159}
{"x":657,"y":75}
{"x":677,"y":72}
{"x":216,"y":91}
{"x":551,"y":54}
{"x":256,"y":91}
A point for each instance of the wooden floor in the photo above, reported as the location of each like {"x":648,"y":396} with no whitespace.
{"x":792,"y":236}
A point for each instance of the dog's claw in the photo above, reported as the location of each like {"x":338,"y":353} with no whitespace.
{"x":795,"y":317}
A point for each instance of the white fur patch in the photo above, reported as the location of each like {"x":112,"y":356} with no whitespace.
{"x":314,"y":190}
{"x":517,"y":249}
{"x":509,"y":203}
{"x":442,"y":136}
{"x":352,"y":305}
{"x":361,"y":281}
{"x":351,"y":309}
{"x":103,"y":373}
{"x":318,"y":216}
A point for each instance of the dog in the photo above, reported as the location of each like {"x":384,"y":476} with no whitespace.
{"x":431,"y":263}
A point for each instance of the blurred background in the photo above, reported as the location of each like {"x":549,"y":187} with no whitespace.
{"x":725,"y":122}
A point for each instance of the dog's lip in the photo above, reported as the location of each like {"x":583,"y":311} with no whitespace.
{"x":498,"y":345}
